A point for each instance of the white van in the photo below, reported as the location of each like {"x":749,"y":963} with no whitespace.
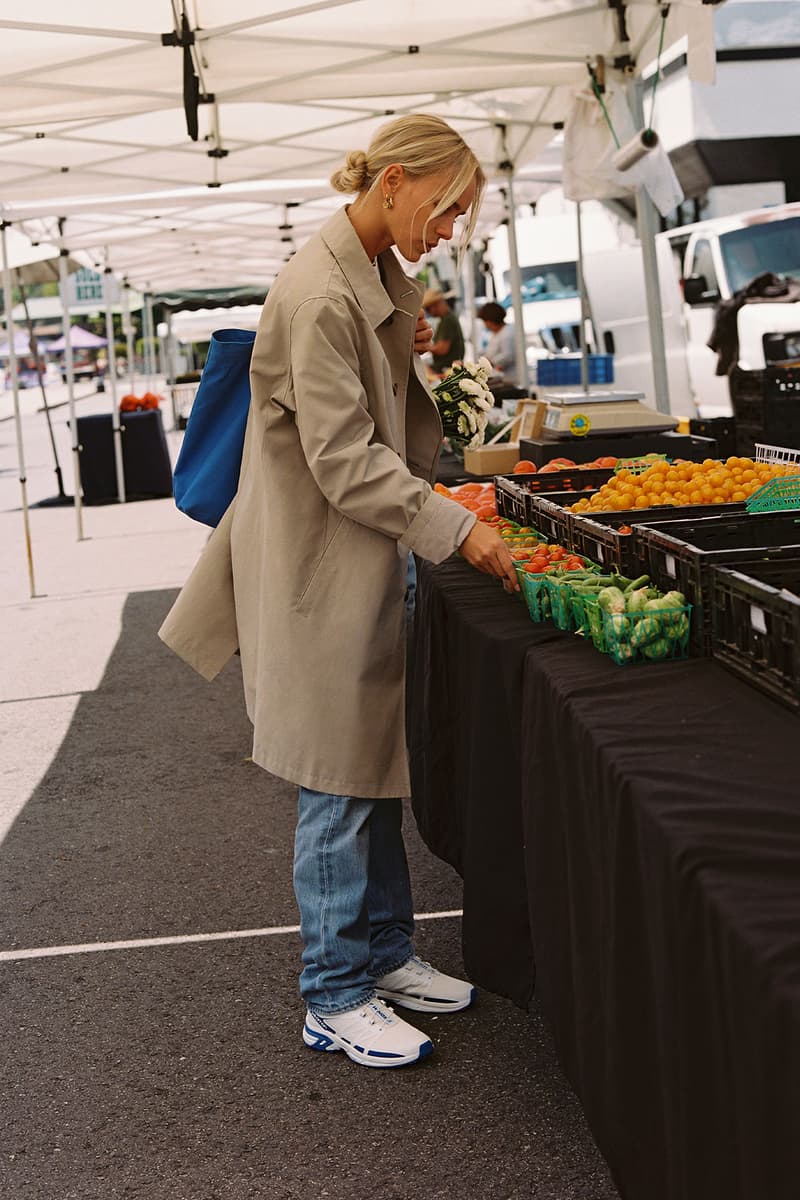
{"x":547,"y":247}
{"x":699,"y":265}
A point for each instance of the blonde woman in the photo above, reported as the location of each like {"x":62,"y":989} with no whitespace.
{"x":306,"y":575}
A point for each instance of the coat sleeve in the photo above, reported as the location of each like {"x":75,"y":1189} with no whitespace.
{"x":362,"y":478}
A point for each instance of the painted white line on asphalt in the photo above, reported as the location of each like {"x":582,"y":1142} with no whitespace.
{"x":181,"y":940}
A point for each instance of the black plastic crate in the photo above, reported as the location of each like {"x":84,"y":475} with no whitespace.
{"x":549,"y":515}
{"x":755,"y":628}
{"x":766,"y":406}
{"x":513,"y":491}
{"x":679,"y":554}
{"x":597,"y":535}
{"x":586,"y":449}
{"x":721,"y":429}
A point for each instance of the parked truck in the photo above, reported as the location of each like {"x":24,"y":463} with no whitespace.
{"x":699,"y":266}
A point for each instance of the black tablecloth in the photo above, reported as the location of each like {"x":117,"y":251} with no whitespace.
{"x":636,"y":833}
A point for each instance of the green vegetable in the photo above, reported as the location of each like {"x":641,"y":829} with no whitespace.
{"x":611,"y":600}
{"x":636,"y":584}
{"x":680,"y":627}
{"x":620,"y":624}
{"x":660,"y":648}
{"x":637,"y":600}
{"x":676,"y":600}
{"x":646,"y":629}
{"x":621,"y":652}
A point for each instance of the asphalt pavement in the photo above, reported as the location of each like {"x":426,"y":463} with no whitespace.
{"x":149,"y":955}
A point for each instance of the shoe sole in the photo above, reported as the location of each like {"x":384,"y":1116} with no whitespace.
{"x":423,"y":1004}
{"x":328,"y":1042}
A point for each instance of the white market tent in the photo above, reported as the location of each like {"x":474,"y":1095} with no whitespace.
{"x":189,"y":144}
{"x":92,"y":105}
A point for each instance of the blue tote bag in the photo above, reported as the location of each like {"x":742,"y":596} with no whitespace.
{"x":207,"y":471}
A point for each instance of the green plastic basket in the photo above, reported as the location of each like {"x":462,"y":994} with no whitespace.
{"x":638,"y":466}
{"x":779,"y":494}
{"x":628,"y":638}
{"x":537,"y":597}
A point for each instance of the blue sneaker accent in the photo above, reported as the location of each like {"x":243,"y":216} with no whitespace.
{"x":316,"y":1040}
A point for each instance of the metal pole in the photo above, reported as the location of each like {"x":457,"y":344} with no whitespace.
{"x":516,"y":284}
{"x":112,"y":378}
{"x":8,"y":304}
{"x":468,"y":283}
{"x":146,"y":341}
{"x":126,"y":321}
{"x":61,"y":497}
{"x":584,"y":313}
{"x":68,"y":363}
{"x":648,"y":227}
{"x":169,"y":351}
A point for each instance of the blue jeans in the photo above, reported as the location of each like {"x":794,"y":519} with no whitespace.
{"x":354,"y":894}
{"x":411,"y":590}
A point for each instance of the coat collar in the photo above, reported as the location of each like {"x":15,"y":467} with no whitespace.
{"x":378,"y":297}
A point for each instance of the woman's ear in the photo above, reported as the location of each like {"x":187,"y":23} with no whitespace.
{"x":393,"y":177}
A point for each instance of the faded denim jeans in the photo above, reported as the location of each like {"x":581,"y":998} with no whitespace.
{"x":354,"y":894}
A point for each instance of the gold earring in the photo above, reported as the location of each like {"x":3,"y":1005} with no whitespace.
{"x":388,"y":201}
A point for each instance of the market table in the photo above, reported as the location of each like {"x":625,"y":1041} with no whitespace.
{"x":629,"y":841}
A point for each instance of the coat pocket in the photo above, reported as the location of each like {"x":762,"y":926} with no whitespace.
{"x":304,"y":600}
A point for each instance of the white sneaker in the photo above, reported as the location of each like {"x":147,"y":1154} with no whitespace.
{"x":371,"y":1035}
{"x":420,"y":986}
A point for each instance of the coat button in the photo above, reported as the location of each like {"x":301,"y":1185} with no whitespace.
{"x":394,"y":389}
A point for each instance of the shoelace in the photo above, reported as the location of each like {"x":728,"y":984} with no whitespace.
{"x":379,"y":1015}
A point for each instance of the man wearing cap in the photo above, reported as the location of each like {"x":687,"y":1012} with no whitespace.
{"x":448,"y":340}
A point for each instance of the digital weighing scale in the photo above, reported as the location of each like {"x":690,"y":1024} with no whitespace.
{"x":582,"y":414}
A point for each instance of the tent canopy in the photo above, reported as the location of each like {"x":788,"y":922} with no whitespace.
{"x":92,"y":105}
{"x":79,"y":339}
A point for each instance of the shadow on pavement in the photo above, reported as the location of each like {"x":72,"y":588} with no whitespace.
{"x":177,"y":1072}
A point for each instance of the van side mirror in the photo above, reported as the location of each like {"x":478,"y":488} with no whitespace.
{"x":696,"y":291}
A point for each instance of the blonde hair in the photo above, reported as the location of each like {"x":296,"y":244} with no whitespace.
{"x":422,"y":145}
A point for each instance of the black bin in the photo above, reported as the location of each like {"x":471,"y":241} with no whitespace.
{"x":145,"y":457}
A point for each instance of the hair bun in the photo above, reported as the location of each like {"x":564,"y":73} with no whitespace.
{"x":353,"y":176}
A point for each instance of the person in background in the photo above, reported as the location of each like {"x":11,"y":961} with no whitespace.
{"x":448,"y":340}
{"x":500,"y":349}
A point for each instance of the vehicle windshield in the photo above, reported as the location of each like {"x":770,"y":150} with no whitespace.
{"x":546,"y":281}
{"x":773,"y":246}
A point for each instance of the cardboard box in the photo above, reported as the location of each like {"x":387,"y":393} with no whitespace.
{"x":491,"y":460}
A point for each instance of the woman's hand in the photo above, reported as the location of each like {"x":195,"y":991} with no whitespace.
{"x":486,"y":550}
{"x":423,"y":334}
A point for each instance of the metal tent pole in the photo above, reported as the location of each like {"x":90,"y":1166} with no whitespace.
{"x":505,"y":166}
{"x":112,"y":378}
{"x":468,"y":283}
{"x":128,"y":326}
{"x":169,"y":354}
{"x":648,"y":227}
{"x":8,"y":305}
{"x":146,"y":347}
{"x":61,"y":497}
{"x":516,"y":284}
{"x":69,"y":364}
{"x":584,"y":310}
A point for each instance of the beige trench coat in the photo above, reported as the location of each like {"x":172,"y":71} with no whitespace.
{"x":306,"y":572}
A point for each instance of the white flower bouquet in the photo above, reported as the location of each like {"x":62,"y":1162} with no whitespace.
{"x":464,"y":402}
